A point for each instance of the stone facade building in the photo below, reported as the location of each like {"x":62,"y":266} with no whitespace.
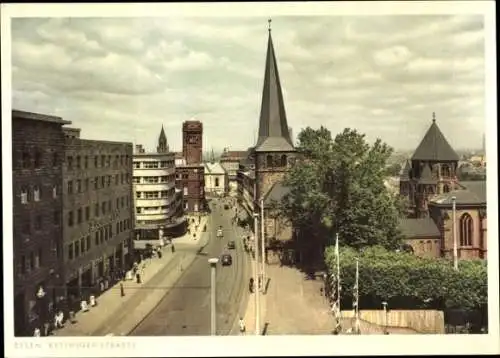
{"x":216,"y":179}
{"x":190,"y":178}
{"x":37,"y":157}
{"x":230,"y":161}
{"x":97,"y":213}
{"x":272,"y":156}
{"x":429,"y":182}
{"x":158,"y":204}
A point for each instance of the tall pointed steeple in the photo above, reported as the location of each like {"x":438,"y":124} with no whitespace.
{"x":162,"y":142}
{"x":273,"y":127}
{"x":212,"y":157}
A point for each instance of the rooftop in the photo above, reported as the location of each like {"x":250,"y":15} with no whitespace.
{"x":17,"y":114}
{"x":474,"y":193}
{"x":416,"y":228}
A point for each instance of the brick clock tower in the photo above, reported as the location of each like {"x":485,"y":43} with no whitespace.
{"x":192,"y":142}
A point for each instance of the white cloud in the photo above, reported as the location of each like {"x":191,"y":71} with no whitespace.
{"x":121,"y":79}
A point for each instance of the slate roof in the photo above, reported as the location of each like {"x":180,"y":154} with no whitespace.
{"x":405,"y":172}
{"x":473,"y":194}
{"x":434,"y":146}
{"x":426,"y":176}
{"x":417,"y":228}
{"x":276,"y":193}
{"x":214,"y":168}
{"x":273,"y":127}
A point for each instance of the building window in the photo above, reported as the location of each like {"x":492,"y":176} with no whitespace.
{"x":70,"y":186}
{"x":185,"y":190}
{"x":88,"y":242}
{"x":108,"y":181}
{"x":70,"y":163}
{"x":82,"y":244}
{"x":108,"y":161}
{"x":57,"y":217}
{"x":87,"y":184}
{"x":96,"y":161}
{"x":122,"y":200}
{"x":79,"y":216}
{"x":96,"y":211}
{"x":283,"y":160}
{"x":70,"y":218}
{"x":103,"y":181}
{"x":216,"y":182}
{"x":78,"y":162}
{"x":116,"y":179}
{"x":466,"y":227}
{"x":103,"y":207}
{"x":103,"y":160}
{"x":110,"y":230}
{"x":269,"y":161}
{"x":36,"y":260}
{"x":77,"y":248}
{"x":136,"y":180}
{"x":38,"y":158}
{"x":109,"y":205}
{"x":54,"y":192}
{"x":186,"y":205}
{"x":138,"y":194}
{"x":71,"y":251}
{"x":87,"y":213}
{"x":86,"y":162}
{"x":446,"y":188}
{"x":24,"y":195}
{"x":36,"y":193}
{"x":117,"y":203}
{"x":96,"y":183}
{"x":38,"y":222}
{"x":78,"y":186}
{"x":55,"y":159}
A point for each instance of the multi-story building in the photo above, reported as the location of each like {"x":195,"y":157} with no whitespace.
{"x":216,"y":179}
{"x":230,"y":161}
{"x":158,"y":204}
{"x":97,"y":213}
{"x":37,"y":156}
{"x":190,"y":171}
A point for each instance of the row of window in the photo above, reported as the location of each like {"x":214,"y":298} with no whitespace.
{"x":36,"y":159}
{"x":81,"y":186}
{"x":150,"y":209}
{"x":30,"y":262}
{"x":154,"y":165}
{"x":185,"y":191}
{"x":34,"y":193}
{"x":155,"y":194}
{"x":38,"y":222}
{"x":272,"y":161}
{"x":80,"y":215}
{"x":100,"y":161}
{"x":81,"y":246}
{"x":154,"y":180}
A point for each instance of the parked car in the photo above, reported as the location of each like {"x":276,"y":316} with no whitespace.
{"x":226,"y":260}
{"x":219,"y":233}
{"x":231,"y":245}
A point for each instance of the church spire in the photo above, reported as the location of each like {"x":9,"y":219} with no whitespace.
{"x":162,"y":142}
{"x":273,"y":127}
{"x":212,"y":157}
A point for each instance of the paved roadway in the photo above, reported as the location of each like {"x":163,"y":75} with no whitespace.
{"x":185,"y":309}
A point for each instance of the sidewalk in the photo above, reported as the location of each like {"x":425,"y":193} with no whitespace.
{"x":119,"y":315}
{"x":250,"y":315}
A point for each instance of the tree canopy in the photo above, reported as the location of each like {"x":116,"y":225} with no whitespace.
{"x":337,"y":186}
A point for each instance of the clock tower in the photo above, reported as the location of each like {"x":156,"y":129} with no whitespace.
{"x":192,"y":141}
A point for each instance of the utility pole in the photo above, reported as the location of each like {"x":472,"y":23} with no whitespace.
{"x":256,"y":262}
{"x":263,"y":244}
{"x":454,"y":231}
{"x":213,"y":312}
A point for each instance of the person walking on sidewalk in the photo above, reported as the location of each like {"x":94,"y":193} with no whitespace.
{"x":242,"y":325}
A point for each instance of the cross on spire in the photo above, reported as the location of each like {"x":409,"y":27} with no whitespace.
{"x":269,"y":25}
{"x":433,"y":116}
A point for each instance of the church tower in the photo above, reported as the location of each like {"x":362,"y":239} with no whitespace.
{"x":274,"y":151}
{"x":432,"y":170}
{"x":162,"y":142}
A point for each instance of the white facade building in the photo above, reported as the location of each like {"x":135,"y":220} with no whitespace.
{"x":158,"y":205}
{"x":216,"y":179}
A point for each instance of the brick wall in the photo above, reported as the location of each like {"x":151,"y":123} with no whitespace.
{"x":193,"y":178}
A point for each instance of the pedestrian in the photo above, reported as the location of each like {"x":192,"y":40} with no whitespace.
{"x":173,"y":248}
{"x":122,"y":290}
{"x":242,"y":326}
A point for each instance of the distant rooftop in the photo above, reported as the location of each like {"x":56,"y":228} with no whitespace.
{"x":17,"y":114}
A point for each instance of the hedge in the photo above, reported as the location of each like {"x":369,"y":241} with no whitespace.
{"x":403,"y":279}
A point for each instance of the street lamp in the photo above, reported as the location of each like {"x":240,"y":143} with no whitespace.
{"x":384,"y":304}
{"x":256,"y":269}
{"x":454,"y":231}
{"x":213,"y":314}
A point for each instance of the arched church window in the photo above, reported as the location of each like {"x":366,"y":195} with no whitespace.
{"x":283,"y":160}
{"x":445,"y":171}
{"x":466,"y":226}
{"x":269,"y":161}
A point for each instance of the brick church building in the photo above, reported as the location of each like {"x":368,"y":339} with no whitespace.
{"x":430,"y":184}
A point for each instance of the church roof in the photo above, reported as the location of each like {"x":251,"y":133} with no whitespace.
{"x":405,"y":172}
{"x":434,"y":146}
{"x":163,"y":137}
{"x":473,"y":194}
{"x":214,"y":168}
{"x":417,"y":228}
{"x":274,"y":135}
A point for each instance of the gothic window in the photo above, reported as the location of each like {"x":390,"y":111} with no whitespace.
{"x":217,"y":182}
{"x":445,"y":171}
{"x":446,"y":188}
{"x":466,"y":232}
{"x":36,"y":193}
{"x":269,"y":161}
{"x":283,"y":160}
{"x":24,"y":195}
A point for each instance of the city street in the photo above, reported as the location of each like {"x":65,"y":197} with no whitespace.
{"x":185,"y":310}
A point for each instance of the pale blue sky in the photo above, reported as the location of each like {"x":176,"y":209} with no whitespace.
{"x":121,"y":79}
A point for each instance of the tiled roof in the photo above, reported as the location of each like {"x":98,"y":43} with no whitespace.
{"x":415,"y":228}
{"x":273,"y":126}
{"x":434,"y":146}
{"x":276,"y":193}
{"x":473,"y":194}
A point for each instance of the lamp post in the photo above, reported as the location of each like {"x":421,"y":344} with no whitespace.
{"x":256,"y":270}
{"x":262,"y":243}
{"x":454,"y":231}
{"x":384,"y":304}
{"x":213,"y":313}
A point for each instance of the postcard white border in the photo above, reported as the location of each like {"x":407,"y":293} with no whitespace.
{"x":272,"y":345}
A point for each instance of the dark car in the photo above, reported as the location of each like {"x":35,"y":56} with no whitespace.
{"x":231,"y":245}
{"x":226,"y":260}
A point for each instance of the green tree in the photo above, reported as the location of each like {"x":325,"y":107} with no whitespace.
{"x":393,"y":170}
{"x":337,"y":186}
